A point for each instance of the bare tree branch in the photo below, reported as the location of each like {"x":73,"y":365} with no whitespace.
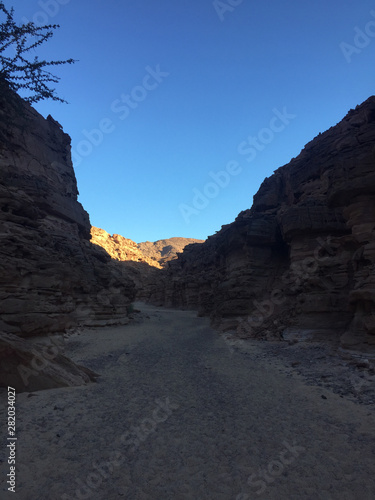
{"x":17,"y":70}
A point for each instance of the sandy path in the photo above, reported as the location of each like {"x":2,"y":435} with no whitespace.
{"x":179,"y":415}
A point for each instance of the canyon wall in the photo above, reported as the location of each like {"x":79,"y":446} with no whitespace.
{"x":300,"y":263}
{"x":52,"y":277}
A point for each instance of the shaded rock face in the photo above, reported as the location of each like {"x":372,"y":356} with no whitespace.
{"x":301,"y":262}
{"x":28,"y":367}
{"x":52,"y":278}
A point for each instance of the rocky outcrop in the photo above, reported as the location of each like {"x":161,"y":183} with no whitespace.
{"x":301,"y":262}
{"x":31,"y":367}
{"x":143,"y":261}
{"x":138,"y":267}
{"x":163,"y":251}
{"x":52,"y":277}
{"x":120,"y":248}
{"x":155,"y":254}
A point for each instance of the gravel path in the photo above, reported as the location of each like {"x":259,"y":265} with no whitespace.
{"x":178,"y":413}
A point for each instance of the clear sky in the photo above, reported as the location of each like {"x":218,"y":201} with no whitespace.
{"x":178,"y":109}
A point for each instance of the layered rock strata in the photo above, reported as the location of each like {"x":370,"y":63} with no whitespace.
{"x":301,"y":262}
{"x":52,"y":277}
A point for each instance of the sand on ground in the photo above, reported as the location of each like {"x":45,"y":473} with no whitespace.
{"x":181,"y":413}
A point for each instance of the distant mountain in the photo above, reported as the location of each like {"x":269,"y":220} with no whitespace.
{"x":155,"y":254}
{"x":120,"y":248}
{"x":163,"y":251}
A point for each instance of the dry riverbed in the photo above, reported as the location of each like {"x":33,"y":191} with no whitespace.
{"x":180,"y":412}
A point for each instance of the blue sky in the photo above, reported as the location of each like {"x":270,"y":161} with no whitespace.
{"x":178,"y":109}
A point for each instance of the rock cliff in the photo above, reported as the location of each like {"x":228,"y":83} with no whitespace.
{"x":52,"y":277}
{"x":300,"y":263}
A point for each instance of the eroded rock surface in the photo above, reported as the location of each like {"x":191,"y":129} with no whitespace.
{"x":52,"y":277}
{"x":29,"y":367}
{"x":300,"y":263}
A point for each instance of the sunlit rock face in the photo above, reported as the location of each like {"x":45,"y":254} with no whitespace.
{"x":163,"y":251}
{"x":143,"y":261}
{"x":156,"y":254}
{"x":300,"y":263}
{"x":52,"y":277}
{"x":120,"y":248}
